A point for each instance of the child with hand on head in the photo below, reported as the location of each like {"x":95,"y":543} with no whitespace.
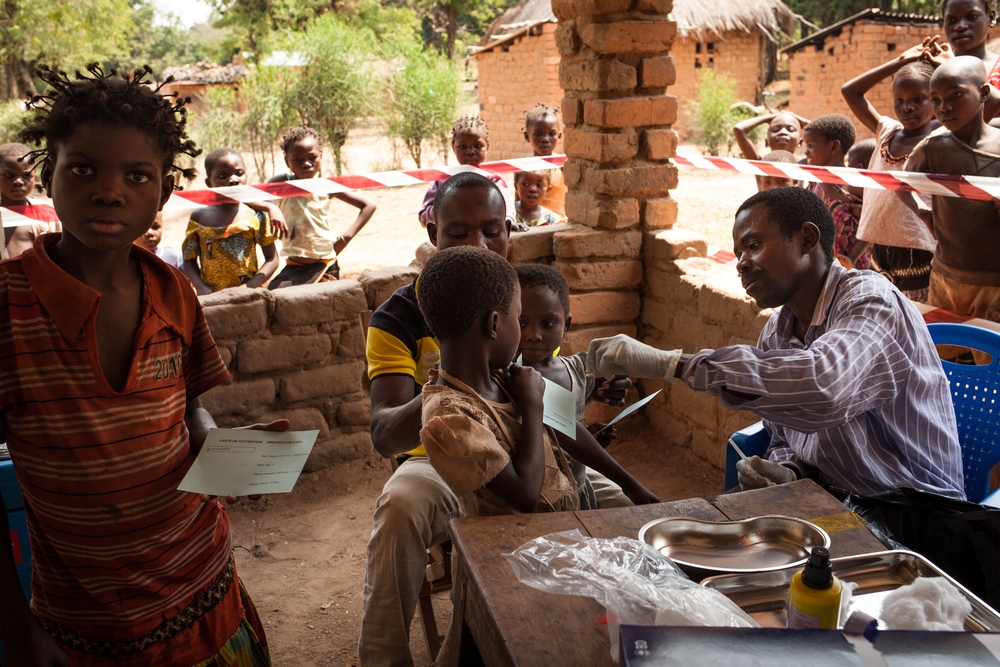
{"x":541,"y":131}
{"x":531,"y":187}
{"x":784,"y":133}
{"x":965,"y":271}
{"x":827,"y":140}
{"x":127,"y":571}
{"x":151,"y":242}
{"x":901,"y":245}
{"x":220,"y":243}
{"x":482,"y":415}
{"x":17,"y":180}
{"x":545,"y":319}
{"x":470,"y":140}
{"x":313,"y":244}
{"x":771,"y":182}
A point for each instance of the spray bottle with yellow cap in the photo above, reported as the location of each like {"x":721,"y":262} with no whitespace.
{"x":814,"y":594}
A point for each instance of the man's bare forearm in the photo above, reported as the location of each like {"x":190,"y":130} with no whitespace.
{"x":396,"y":429}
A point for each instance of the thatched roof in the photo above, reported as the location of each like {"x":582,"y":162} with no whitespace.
{"x":700,"y":17}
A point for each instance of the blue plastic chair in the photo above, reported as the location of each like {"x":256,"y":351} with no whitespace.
{"x":975,"y":391}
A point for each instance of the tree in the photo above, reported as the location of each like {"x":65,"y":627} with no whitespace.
{"x":827,"y":12}
{"x":165,"y":44}
{"x":58,"y":34}
{"x":423,"y":99}
{"x":337,"y":84}
{"x":268,"y":113}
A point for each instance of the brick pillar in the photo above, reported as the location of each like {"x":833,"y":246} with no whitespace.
{"x":615,"y":69}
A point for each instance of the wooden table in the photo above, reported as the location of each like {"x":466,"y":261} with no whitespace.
{"x":514,"y":624}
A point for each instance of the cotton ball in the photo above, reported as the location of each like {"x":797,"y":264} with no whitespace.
{"x":929,"y":603}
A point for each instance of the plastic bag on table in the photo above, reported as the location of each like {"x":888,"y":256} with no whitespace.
{"x":635,"y":584}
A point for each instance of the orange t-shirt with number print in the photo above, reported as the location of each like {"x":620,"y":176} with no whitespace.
{"x":116,"y":548}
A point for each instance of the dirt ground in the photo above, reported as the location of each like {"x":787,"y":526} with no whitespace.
{"x":303,"y":554}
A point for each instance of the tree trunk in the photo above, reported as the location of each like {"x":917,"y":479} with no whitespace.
{"x":452,"y":30}
{"x":18,"y":83}
{"x":886,"y":5}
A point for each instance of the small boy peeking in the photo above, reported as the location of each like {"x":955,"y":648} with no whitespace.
{"x":965,"y":271}
{"x":545,"y":319}
{"x":482,"y":415}
{"x":106,"y":351}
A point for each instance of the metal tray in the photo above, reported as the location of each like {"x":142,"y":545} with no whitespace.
{"x":758,"y":544}
{"x":764,"y":595}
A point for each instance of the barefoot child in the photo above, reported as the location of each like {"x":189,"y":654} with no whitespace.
{"x":784,"y":133}
{"x":965,"y":271}
{"x":313,"y":245}
{"x":470,"y":140}
{"x":220,"y":243}
{"x":531,"y":188}
{"x":17,"y":181}
{"x":127,"y":571}
{"x":482,"y":415}
{"x":545,"y":319}
{"x":827,"y":140}
{"x":541,"y":130}
{"x":151,"y":242}
{"x":901,"y":244}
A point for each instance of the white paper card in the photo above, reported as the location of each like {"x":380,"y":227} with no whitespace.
{"x":243,"y":462}
{"x":632,"y":408}
{"x":560,"y":408}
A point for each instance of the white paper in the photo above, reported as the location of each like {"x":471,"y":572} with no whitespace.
{"x":560,"y":408}
{"x":243,"y":462}
{"x":632,"y":408}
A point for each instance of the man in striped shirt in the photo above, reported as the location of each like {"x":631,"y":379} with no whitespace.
{"x":844,"y":374}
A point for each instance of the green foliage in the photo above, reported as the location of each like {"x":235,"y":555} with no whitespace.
{"x":219,"y":123}
{"x":12,"y":119}
{"x":712,"y":115}
{"x":165,"y":44}
{"x":826,"y":12}
{"x":268,"y":113}
{"x":423,"y":101}
{"x":60,"y":34}
{"x":337,"y":85}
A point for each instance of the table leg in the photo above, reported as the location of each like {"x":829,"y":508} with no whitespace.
{"x":459,"y":649}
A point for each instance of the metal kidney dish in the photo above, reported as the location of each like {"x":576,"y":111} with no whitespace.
{"x":758,"y":544}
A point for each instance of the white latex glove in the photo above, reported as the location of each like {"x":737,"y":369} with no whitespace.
{"x":623,"y":355}
{"x":756,"y":473}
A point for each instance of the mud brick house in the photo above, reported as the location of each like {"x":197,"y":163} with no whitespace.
{"x":822,"y":62}
{"x":518,"y":59}
{"x":194,"y":80}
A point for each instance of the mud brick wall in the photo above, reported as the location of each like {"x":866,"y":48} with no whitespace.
{"x":513,"y":78}
{"x":693,"y":303}
{"x":516,"y":76}
{"x":299,"y":354}
{"x":739,"y":54}
{"x":818,"y":71}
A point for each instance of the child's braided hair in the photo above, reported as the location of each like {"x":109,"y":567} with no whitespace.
{"x":537,"y":113}
{"x":118,"y":98}
{"x":470,"y":124}
{"x":297,"y":134}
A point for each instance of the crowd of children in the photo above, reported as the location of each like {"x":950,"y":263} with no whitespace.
{"x":937,"y":250}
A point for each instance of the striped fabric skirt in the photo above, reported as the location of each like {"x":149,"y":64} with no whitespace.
{"x":248,"y":646}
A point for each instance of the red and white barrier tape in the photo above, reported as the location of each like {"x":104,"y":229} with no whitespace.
{"x":188,"y":199}
{"x":946,"y":185}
